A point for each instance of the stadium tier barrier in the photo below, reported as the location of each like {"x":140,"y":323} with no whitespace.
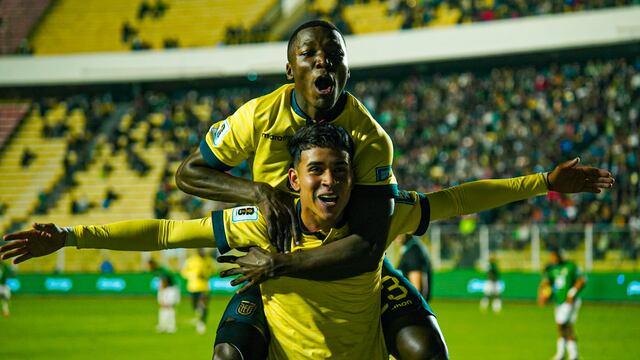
{"x":458,"y":284}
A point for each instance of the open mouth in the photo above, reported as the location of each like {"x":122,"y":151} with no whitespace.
{"x":324,"y":84}
{"x":328,"y":199}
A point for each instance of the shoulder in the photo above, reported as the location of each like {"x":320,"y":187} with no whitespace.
{"x":271,"y":101}
{"x":365,"y":120}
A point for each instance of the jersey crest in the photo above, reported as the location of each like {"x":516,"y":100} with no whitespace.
{"x":246,"y":308}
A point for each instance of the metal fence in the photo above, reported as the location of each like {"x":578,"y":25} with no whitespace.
{"x":523,"y":247}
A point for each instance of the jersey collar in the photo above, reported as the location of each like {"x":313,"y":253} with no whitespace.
{"x":318,"y":234}
{"x":334,"y":113}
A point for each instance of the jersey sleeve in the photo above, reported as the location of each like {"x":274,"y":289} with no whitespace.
{"x":373,"y":159}
{"x":411,"y":215}
{"x":477,"y":196}
{"x":230,"y":141}
{"x":240,"y":227}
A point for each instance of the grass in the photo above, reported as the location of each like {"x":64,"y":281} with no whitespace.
{"x":106,"y":327}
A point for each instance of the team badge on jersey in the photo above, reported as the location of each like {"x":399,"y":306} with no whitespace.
{"x":246,"y":308}
{"x":383,"y":173}
{"x":246,"y":213}
{"x":219,"y":131}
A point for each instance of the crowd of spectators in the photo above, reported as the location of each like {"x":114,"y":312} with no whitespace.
{"x":463,"y":126}
{"x":423,"y":13}
{"x":452,"y":128}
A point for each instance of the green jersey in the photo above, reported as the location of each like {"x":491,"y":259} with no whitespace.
{"x":493,"y":273}
{"x":562,"y":277}
{"x":5,"y":273}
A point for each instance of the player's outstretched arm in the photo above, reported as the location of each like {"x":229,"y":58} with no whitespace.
{"x":132,"y":235}
{"x":477,"y":196}
{"x":196,"y":177}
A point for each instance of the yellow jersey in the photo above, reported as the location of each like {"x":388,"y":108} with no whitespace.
{"x":261,"y":128}
{"x":197,"y":270}
{"x":309,"y":319}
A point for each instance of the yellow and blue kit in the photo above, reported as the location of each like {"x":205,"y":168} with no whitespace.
{"x":261,"y":128}
{"x":313,"y":319}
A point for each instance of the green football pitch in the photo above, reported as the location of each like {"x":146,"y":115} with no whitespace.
{"x":123,"y":328}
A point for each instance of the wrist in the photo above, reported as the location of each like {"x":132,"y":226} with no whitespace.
{"x":69,"y":237}
{"x":282,"y":265}
{"x":572,"y":292}
{"x":260,"y":191}
{"x":546,"y":180}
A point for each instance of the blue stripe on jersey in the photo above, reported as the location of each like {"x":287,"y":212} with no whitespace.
{"x":388,"y":190}
{"x":219,"y":234}
{"x":425,"y":218}
{"x":211,"y":159}
{"x":297,"y":109}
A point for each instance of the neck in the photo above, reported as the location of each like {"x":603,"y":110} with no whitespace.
{"x":319,"y":114}
{"x":311,"y":223}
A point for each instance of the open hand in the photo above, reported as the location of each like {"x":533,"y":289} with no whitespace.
{"x":255,"y":267}
{"x":42,"y":240}
{"x":277,"y":208}
{"x":570,"y":178}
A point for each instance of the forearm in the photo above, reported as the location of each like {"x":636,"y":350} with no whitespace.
{"x":144,"y":235}
{"x":341,"y":259}
{"x":196,"y":177}
{"x":353,"y":255}
{"x":483,"y":195}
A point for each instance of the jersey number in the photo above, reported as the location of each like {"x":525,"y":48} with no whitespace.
{"x":400,"y":291}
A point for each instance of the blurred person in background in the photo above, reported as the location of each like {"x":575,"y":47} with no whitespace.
{"x":197,"y":270}
{"x":5,"y":292}
{"x":415,"y":263}
{"x":168,"y":298}
{"x":492,"y":288}
{"x":106,"y":266}
{"x":27,"y":157}
{"x":563,"y":280}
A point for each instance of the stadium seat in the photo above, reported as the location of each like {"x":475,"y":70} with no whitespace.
{"x":76,"y":26}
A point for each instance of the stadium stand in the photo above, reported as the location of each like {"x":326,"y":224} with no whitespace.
{"x":78,"y":26}
{"x":389,"y":15}
{"x":10,"y":116}
{"x":31,"y":165}
{"x":18,"y":18}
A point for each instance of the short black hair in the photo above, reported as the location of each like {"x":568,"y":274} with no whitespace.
{"x":309,"y":24}
{"x":324,"y":135}
{"x":558,"y":252}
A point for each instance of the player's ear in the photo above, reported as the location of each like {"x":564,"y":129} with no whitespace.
{"x":294,"y":180}
{"x":289,"y":71}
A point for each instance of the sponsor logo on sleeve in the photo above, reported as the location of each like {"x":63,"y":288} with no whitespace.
{"x":383,"y":173}
{"x":219,"y":131}
{"x":246,"y":213}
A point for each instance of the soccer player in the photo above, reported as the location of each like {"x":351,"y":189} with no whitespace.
{"x":491,"y":288}
{"x":306,"y":317}
{"x":317,"y":63}
{"x":168,"y":298}
{"x":415,"y":263}
{"x":563,"y":280}
{"x":5,"y":292}
{"x":197,"y":270}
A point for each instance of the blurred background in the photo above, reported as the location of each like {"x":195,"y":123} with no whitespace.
{"x":100,"y":101}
